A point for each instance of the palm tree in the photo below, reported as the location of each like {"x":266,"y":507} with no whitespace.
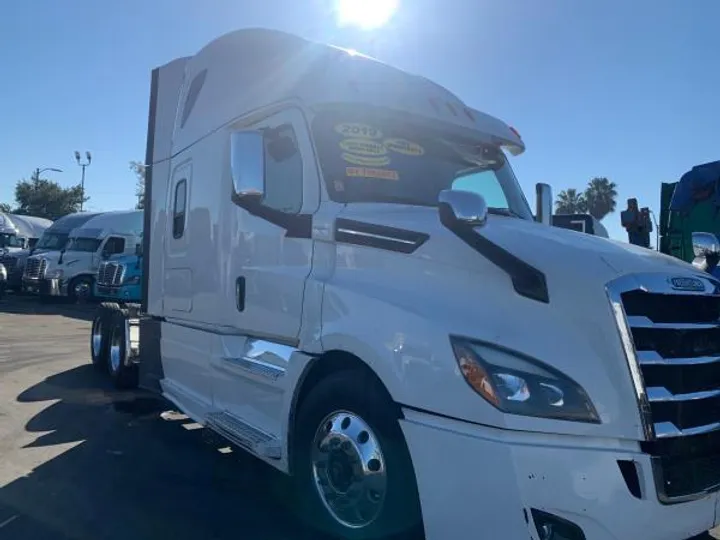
{"x":600,"y":195}
{"x":570,"y":201}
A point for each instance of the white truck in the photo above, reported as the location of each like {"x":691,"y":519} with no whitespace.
{"x":344,"y":278}
{"x":70,"y":271}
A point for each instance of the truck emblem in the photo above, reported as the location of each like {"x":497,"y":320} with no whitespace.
{"x":687,"y":284}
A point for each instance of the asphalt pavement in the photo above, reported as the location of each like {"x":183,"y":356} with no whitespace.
{"x":81,"y":461}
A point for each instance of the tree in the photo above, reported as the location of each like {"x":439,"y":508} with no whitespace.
{"x":570,"y":201}
{"x":5,"y":208}
{"x":46,"y":199}
{"x":600,"y":195}
{"x":139,"y":169}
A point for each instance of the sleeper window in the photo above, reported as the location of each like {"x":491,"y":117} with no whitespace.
{"x":283,"y":171}
{"x":179,"y":209}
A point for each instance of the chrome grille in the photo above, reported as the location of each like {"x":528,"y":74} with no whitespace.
{"x":110,"y":274}
{"x":35,"y":268}
{"x":9,"y":262}
{"x":672,"y":341}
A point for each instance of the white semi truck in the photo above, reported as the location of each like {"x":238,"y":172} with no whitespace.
{"x":344,"y":278}
{"x":70,"y":271}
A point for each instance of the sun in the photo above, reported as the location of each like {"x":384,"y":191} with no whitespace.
{"x":365,"y":14}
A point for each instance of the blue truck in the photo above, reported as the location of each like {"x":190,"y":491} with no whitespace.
{"x":119,"y":278}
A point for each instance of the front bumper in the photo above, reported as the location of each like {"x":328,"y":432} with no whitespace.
{"x":476,"y":481}
{"x":44,"y":287}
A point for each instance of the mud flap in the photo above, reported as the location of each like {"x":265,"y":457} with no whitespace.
{"x":150,"y":365}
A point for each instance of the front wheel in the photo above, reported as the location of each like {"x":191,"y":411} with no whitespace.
{"x":80,"y":289}
{"x":352,"y":469}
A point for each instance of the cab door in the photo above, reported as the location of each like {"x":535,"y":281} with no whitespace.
{"x":268,"y":268}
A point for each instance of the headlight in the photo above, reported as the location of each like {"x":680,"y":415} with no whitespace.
{"x":134,"y":280}
{"x":517,"y":384}
{"x":54,"y":274}
{"x":3,"y":272}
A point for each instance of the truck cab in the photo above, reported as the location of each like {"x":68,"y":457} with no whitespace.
{"x":52,"y":238}
{"x":119,"y":279}
{"x":343,"y":277}
{"x":71,"y":271}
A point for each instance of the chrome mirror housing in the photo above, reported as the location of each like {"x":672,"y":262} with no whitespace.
{"x":466,"y":206}
{"x":704,"y":244}
{"x":247,"y":163}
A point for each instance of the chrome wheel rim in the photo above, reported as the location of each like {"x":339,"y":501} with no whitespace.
{"x":349,"y":469}
{"x":97,"y":338}
{"x":115,"y":347}
{"x":81,"y":289}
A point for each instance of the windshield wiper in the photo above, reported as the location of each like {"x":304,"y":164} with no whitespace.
{"x":399,"y":199}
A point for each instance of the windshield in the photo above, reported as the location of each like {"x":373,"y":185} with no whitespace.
{"x":11,"y":241}
{"x":80,"y":243}
{"x":374,"y":159}
{"x":52,"y":241}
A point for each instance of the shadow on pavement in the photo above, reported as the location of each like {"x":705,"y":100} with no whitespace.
{"x":137,"y":473}
{"x":32,"y":305}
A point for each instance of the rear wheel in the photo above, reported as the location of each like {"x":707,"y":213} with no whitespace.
{"x":123,"y":372}
{"x":352,"y":469}
{"x":99,"y":339}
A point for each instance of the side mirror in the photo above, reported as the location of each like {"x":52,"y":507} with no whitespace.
{"x":247,"y":163}
{"x":705,"y":244}
{"x":543,"y":204}
{"x":465,"y":206}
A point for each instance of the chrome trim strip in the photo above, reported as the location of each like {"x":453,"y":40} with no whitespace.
{"x":653,"y":358}
{"x":377,"y":236}
{"x":632,"y":361}
{"x":264,"y":358}
{"x":665,"y":430}
{"x":661,"y":394}
{"x":256,"y":367}
{"x":638,"y":321}
{"x":230,"y":331}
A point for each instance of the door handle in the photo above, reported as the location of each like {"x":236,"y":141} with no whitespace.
{"x":240,"y":293}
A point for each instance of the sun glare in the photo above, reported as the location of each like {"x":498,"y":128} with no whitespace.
{"x":365,"y":14}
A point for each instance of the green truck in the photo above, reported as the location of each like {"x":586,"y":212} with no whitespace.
{"x":689,"y":205}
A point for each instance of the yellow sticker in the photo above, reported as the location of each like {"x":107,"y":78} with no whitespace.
{"x":351,"y":129}
{"x":364,"y":172}
{"x":402,"y":146}
{"x":363,"y":147}
{"x":367,"y":161}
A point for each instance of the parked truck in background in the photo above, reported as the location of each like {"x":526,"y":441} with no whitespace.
{"x":52,"y":238}
{"x":689,"y":205}
{"x":119,"y":279}
{"x":343,"y":277}
{"x":70,"y":272}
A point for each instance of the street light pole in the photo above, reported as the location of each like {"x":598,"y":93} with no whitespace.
{"x":82,"y":181}
{"x":39,"y":170}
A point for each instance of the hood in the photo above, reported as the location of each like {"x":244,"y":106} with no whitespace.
{"x":558,"y":253}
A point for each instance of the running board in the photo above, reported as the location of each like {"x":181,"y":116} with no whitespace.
{"x":244,"y":435}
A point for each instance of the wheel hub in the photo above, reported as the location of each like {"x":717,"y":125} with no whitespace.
{"x":115,"y":351}
{"x":349,"y":469}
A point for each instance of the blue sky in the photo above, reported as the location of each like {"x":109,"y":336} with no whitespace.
{"x":623,"y":89}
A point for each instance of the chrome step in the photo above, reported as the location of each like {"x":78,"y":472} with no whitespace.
{"x":244,"y":435}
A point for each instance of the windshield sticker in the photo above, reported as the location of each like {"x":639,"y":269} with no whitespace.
{"x":351,"y":129}
{"x":366,"y":161}
{"x":364,"y":172}
{"x":403,"y":146}
{"x":363,"y":147}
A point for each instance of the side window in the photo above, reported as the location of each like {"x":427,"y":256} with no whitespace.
{"x":484,"y":183}
{"x":179,"y":207}
{"x":283,"y":170}
{"x":115,"y":245}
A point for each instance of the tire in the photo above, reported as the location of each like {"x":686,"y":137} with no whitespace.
{"x":123,"y":376}
{"x":80,"y":289}
{"x":99,"y":338}
{"x":358,"y":413}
